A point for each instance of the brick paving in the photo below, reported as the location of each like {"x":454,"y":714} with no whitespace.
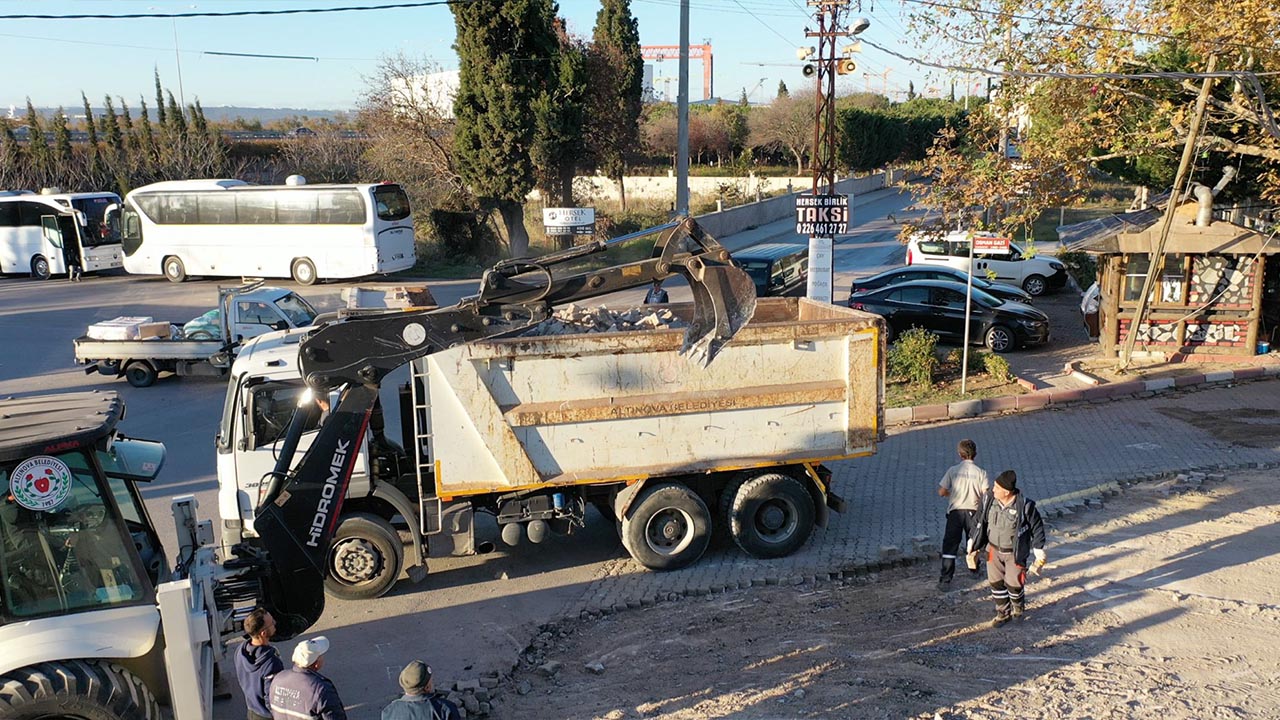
{"x":891,"y":498}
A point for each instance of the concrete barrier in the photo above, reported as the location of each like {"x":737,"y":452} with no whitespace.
{"x":744,"y":217}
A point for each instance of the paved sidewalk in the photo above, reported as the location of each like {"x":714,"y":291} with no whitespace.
{"x":1055,"y":452}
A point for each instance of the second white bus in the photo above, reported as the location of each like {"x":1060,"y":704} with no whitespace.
{"x":55,"y":233}
{"x":230,"y":228}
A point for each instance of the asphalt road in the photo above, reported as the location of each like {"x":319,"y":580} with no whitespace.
{"x":471,"y":614}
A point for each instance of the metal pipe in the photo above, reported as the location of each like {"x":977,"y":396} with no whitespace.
{"x":682,"y":116}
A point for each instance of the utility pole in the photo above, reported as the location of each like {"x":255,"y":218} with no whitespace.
{"x":824,"y":214}
{"x":1156,"y":264}
{"x":682,"y":116}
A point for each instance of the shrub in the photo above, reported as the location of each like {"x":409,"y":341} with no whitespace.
{"x":976,"y":362}
{"x":1082,"y":266}
{"x":997,"y":367}
{"x":912,"y":357}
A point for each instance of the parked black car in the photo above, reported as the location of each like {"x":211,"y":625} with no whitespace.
{"x":934,"y":272}
{"x":938,"y":306}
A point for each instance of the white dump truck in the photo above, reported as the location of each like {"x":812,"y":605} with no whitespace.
{"x":206,"y":346}
{"x":531,"y":429}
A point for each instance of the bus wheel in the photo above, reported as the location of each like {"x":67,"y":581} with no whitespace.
{"x":669,"y":527}
{"x":40,"y":268}
{"x":140,"y":374}
{"x":365,"y":559}
{"x":303,"y":271}
{"x":174,"y":269}
{"x":771,"y":516}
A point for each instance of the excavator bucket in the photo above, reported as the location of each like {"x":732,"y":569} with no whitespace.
{"x":724,"y":299}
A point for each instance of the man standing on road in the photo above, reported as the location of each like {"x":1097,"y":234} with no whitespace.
{"x":419,"y":701}
{"x":301,"y":691}
{"x":964,"y":486}
{"x":257,"y":662}
{"x":1009,"y":525}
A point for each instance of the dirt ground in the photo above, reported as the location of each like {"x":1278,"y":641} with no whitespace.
{"x":1160,"y":605}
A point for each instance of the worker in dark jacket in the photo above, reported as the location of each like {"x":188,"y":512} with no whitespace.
{"x":1009,"y":526}
{"x":301,"y":692}
{"x":257,"y":662}
{"x":420,"y":701}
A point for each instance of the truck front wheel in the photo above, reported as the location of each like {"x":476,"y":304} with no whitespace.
{"x":668,"y":527}
{"x":82,"y":689}
{"x":365,"y":558}
{"x":140,"y":374}
{"x":771,"y":515}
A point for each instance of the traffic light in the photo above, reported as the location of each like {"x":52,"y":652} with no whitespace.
{"x":845,"y":66}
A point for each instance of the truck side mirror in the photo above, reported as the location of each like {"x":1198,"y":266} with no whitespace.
{"x":280,"y":325}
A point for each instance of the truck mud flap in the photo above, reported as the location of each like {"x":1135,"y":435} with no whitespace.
{"x":835,"y":502}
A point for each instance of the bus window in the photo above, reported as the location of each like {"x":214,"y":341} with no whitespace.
{"x":8,"y":215}
{"x":255,"y":209}
{"x":296,"y":208}
{"x":391,"y":202}
{"x":217,"y":208}
{"x":340,"y":207}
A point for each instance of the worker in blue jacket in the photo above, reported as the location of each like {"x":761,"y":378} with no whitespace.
{"x":301,"y":692}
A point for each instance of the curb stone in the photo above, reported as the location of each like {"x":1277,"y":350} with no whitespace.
{"x":1057,"y":397}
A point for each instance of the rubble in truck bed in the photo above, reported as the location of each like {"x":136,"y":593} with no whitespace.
{"x":576,"y":320}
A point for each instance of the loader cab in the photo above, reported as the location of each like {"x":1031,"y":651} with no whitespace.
{"x":74,"y":532}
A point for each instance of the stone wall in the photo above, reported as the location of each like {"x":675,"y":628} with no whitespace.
{"x":1227,"y":278}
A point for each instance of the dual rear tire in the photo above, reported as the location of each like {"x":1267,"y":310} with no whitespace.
{"x":669,"y":526}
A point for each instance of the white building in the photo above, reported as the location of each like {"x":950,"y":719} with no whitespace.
{"x":436,"y":89}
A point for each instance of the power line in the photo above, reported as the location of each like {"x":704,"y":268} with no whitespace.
{"x":237,"y":13}
{"x":1067,"y":23}
{"x":152,"y":48}
{"x":772,"y":29}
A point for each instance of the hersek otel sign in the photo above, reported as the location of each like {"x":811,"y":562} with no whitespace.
{"x":822,"y":215}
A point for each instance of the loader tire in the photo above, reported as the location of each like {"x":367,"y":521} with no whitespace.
{"x":76,"y":689}
{"x":365,"y":558}
{"x":772,"y":515}
{"x":668,"y":527}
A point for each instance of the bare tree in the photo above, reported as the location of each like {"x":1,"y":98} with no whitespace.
{"x":787,"y":124}
{"x":327,"y":156}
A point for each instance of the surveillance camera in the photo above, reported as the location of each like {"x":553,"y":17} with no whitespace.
{"x":858,"y":25}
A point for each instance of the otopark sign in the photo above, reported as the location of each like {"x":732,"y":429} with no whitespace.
{"x":822,"y":215}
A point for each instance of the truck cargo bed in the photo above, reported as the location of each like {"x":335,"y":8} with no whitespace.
{"x":803,"y":381}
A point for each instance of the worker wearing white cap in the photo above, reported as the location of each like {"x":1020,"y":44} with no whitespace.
{"x":301,"y":692}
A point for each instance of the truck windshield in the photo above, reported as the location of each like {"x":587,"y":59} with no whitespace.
{"x":299,"y":311}
{"x":64,"y":547}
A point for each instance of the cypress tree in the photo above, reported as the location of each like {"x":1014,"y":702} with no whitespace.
{"x":88,"y":122}
{"x":504,"y":51}
{"x":160,"y":117}
{"x":617,"y":76}
{"x":126,"y":122}
{"x":198,"y":119}
{"x":111,"y":126}
{"x":177,"y":121}
{"x":146,"y":136}
{"x":10,"y":155}
{"x":782,"y":89}
{"x":37,"y":144}
{"x":560,"y":115}
{"x":61,"y":142}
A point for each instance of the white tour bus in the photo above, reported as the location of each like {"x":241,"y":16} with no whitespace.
{"x":47,"y":234}
{"x":230,"y":228}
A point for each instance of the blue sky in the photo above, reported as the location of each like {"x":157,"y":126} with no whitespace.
{"x":63,"y":57}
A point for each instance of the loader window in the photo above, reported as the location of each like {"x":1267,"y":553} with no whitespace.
{"x":63,"y":544}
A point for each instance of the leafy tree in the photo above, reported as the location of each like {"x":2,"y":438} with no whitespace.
{"x":782,"y":89}
{"x":505,"y":49}
{"x":786,"y":125}
{"x":10,"y":156}
{"x":616,"y":83}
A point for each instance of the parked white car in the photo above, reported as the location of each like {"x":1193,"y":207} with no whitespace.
{"x":1034,"y":274}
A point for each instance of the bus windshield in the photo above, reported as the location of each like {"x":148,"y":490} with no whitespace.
{"x":391,"y":202}
{"x":95,"y":211}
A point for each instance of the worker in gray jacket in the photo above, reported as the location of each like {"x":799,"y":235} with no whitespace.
{"x":964,"y":486}
{"x":1009,"y":526}
{"x":301,"y":692}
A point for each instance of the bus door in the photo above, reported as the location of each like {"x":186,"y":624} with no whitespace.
{"x":62,"y":243}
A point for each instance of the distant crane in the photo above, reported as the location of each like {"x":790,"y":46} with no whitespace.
{"x":754,"y":89}
{"x":696,"y":52}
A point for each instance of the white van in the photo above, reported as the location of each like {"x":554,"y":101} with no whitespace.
{"x":1034,"y":274}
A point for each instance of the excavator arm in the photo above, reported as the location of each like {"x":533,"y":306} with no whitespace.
{"x":300,"y":509}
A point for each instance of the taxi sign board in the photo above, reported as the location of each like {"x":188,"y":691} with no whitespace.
{"x":822,"y":215}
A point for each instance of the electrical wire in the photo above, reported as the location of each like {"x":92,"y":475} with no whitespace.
{"x":236,"y":13}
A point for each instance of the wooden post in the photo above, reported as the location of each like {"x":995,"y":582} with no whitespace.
{"x":1255,"y":308}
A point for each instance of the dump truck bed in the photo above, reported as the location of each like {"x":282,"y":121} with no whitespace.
{"x":803,"y":381}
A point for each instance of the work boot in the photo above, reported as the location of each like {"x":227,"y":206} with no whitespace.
{"x":999,"y":620}
{"x":944,"y":585}
{"x":1019,"y":611}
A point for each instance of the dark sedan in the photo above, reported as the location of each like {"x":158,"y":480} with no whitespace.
{"x":935,"y":272}
{"x":938,"y":306}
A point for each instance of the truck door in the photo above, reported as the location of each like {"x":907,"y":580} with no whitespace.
{"x":268,"y":407}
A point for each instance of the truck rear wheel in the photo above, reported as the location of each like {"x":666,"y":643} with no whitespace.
{"x":140,"y":373}
{"x":668,"y":527}
{"x":772,"y":515}
{"x":79,"y":689}
{"x":365,"y":558}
